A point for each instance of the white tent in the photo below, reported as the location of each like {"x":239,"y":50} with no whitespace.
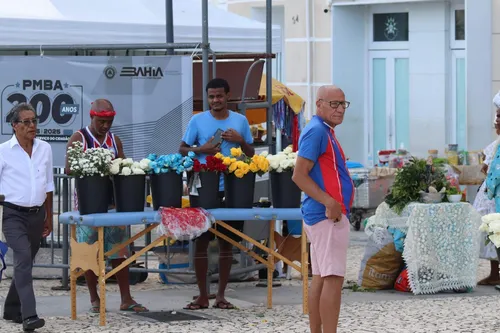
{"x":45,"y":22}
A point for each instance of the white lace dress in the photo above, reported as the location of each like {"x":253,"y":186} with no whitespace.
{"x":486,"y":206}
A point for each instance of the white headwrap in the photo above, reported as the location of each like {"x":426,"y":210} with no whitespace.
{"x":496,"y":100}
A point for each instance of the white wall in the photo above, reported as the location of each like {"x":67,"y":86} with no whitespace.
{"x":348,"y":72}
{"x":479,"y":68}
{"x":429,"y":74}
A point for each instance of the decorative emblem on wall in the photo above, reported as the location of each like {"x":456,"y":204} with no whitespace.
{"x":391,"y":30}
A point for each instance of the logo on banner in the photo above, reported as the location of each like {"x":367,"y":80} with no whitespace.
{"x":57,"y":104}
{"x":142,"y":72}
{"x":109,"y":72}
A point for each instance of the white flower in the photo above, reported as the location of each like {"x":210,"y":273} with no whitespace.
{"x":127,"y":162}
{"x":495,"y":239}
{"x":484,"y":227}
{"x":288,"y":150}
{"x":138,"y":171}
{"x":491,"y":217}
{"x":494,"y":227}
{"x":126,"y":171}
{"x":264,"y":153}
{"x":144,"y":164}
{"x":115,"y":168}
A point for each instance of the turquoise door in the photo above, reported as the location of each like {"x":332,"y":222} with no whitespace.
{"x":389,"y":99}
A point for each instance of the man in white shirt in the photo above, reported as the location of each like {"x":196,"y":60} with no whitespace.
{"x":27,"y":182}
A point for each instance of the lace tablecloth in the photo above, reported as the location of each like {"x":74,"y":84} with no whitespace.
{"x":442,"y":243}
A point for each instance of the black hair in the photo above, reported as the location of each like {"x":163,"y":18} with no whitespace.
{"x":15,"y":113}
{"x":218,"y":83}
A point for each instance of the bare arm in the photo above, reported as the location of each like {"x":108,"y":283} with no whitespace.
{"x":208,"y":148}
{"x":184,"y":149}
{"x":119,"y":147}
{"x":306,"y":184}
{"x":248,"y":149}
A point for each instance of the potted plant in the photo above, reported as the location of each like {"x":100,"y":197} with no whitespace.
{"x":129,"y":181}
{"x":285,"y":193}
{"x":204,"y":181}
{"x":239,"y":179}
{"x":91,"y":169}
{"x":454,"y":194}
{"x":417,"y":181}
{"x":166,"y":173}
{"x":491,"y":225}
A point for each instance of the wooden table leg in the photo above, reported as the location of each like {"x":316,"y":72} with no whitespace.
{"x":102,"y":277}
{"x":73,"y":279}
{"x":305,"y":272}
{"x":270,"y":268}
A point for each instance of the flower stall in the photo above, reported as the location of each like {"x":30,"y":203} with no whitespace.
{"x":204,"y":181}
{"x":91,"y":169}
{"x":166,"y":178}
{"x":239,"y":179}
{"x":420,"y":236}
{"x":285,"y":193}
{"x":129,"y":183}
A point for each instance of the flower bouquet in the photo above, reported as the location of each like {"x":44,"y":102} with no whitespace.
{"x":204,"y":181}
{"x":491,"y":226}
{"x":285,"y":193}
{"x":239,"y":180}
{"x":129,"y":181}
{"x":91,"y":169}
{"x":166,"y":173}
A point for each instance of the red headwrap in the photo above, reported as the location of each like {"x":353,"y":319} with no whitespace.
{"x":104,"y":113}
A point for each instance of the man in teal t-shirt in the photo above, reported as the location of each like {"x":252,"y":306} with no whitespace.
{"x":200,"y":133}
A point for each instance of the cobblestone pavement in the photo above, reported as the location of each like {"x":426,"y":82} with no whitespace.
{"x":470,"y":313}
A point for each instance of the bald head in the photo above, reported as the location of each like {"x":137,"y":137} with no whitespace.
{"x":331,"y":104}
{"x":325,"y":92}
{"x":102,"y":104}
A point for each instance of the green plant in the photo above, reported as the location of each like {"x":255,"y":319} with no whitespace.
{"x":414,"y":177}
{"x":453,"y":191}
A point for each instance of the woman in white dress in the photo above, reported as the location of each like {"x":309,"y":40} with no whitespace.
{"x":486,"y":206}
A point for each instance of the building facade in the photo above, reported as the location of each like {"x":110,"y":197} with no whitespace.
{"x":420,"y":74}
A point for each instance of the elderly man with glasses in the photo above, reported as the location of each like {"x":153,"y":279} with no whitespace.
{"x":27,"y":182}
{"x":321,"y":173}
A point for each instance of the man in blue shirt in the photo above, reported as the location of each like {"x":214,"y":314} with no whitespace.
{"x":201,"y":133}
{"x":321,"y":173}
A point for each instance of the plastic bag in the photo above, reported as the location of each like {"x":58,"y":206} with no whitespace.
{"x":381,"y":262}
{"x":184,"y":223}
{"x":402,"y":282}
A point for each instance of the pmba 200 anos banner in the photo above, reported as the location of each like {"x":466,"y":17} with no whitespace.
{"x":57,"y":103}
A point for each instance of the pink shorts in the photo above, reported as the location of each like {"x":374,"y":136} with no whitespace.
{"x":329,"y":243}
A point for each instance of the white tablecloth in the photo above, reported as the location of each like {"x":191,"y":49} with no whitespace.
{"x":442,"y":243}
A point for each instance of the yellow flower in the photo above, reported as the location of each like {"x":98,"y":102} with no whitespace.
{"x":254,"y":167}
{"x":233,"y":160}
{"x":264,"y":165}
{"x":239,"y":173}
{"x":233,"y":167}
{"x":245,"y":168}
{"x":219,"y":156}
{"x":226,"y":161}
{"x":236,"y":152}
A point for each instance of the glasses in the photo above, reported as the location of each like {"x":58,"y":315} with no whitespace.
{"x":28,"y":122}
{"x":336,"y":104}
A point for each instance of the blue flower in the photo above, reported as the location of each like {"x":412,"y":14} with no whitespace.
{"x":191,"y":154}
{"x":151,"y":157}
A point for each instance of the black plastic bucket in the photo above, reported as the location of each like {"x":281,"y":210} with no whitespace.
{"x":130,"y":193}
{"x":239,"y":192}
{"x":285,"y":193}
{"x":208,"y":193}
{"x":166,"y":190}
{"x":93,"y":193}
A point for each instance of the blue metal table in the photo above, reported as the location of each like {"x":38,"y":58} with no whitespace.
{"x":92,"y":257}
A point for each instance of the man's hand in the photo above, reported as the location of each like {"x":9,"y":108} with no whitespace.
{"x":333,"y":210}
{"x":209,"y":148}
{"x":232,"y":136}
{"x":47,"y":228}
{"x":484,"y":169}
